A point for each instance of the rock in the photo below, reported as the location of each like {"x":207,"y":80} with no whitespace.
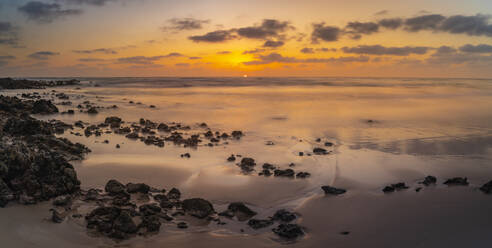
{"x":231,"y":158}
{"x":457,"y":181}
{"x":198,"y":207}
{"x":332,"y":190}
{"x":284,"y":173}
{"x":151,"y":223}
{"x":137,"y":188}
{"x":240,"y":210}
{"x":320,"y":151}
{"x":237,"y":134}
{"x":133,"y":135}
{"x":112,"y":222}
{"x":288,"y":231}
{"x":185,"y":155}
{"x":303,"y":175}
{"x":284,"y":215}
{"x":429,"y":180}
{"x":257,"y":224}
{"x":113,"y":121}
{"x":149,"y":209}
{"x":44,"y":107}
{"x":92,"y":195}
{"x":328,"y":144}
{"x":345,"y":233}
{"x":92,"y":111}
{"x":26,"y":200}
{"x":113,"y":187}
{"x":393,"y":187}
{"x":174,"y":194}
{"x":268,"y":166}
{"x":6,"y":194}
{"x":265,"y":172}
{"x":56,"y":217}
{"x":487,"y":188}
{"x":62,"y":200}
{"x":118,"y":146}
{"x":247,"y":164}
{"x":182,"y":225}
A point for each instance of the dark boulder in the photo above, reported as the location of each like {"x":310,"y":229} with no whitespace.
{"x":288,"y":231}
{"x":284,"y":215}
{"x":257,"y":224}
{"x":198,"y":207}
{"x":174,"y":194}
{"x":332,"y":190}
{"x":429,"y":180}
{"x":284,"y":173}
{"x":487,"y":188}
{"x":44,"y":107}
{"x":460,"y":181}
{"x":240,"y":210}
{"x":149,"y":209}
{"x":137,"y":188}
{"x":151,"y":223}
{"x":113,"y":187}
{"x":319,"y":151}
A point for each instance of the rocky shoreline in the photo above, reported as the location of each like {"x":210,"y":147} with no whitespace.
{"x":35,"y":166}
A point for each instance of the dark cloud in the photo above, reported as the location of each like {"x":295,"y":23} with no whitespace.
{"x":325,"y":49}
{"x":88,"y":2}
{"x":194,"y":57}
{"x":357,"y":29}
{"x":4,"y":59}
{"x":391,"y":23}
{"x":99,"y":50}
{"x":8,"y":34}
{"x":460,"y":59}
{"x":214,"y":37}
{"x":482,"y":48}
{"x":181,"y":24}
{"x":145,"y":60}
{"x":91,"y":60}
{"x":381,"y":50}
{"x":471,"y":25}
{"x":254,"y":51}
{"x":42,"y":55}
{"x":325,"y":33}
{"x":273,"y":44}
{"x":278,"y":58}
{"x":269,"y":28}
{"x":141,"y":60}
{"x":424,"y":22}
{"x":224,"y":52}
{"x":307,"y":50}
{"x":382,"y":12}
{"x":46,"y":12}
{"x":182,"y":64}
{"x":444,"y":50}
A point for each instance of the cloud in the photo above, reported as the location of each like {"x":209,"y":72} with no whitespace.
{"x":381,"y":50}
{"x":356,"y":29}
{"x":273,"y":44}
{"x":325,"y":33}
{"x":141,"y":60}
{"x":183,"y":24}
{"x":4,"y":59}
{"x":42,"y":55}
{"x":8,"y":34}
{"x":91,"y":60}
{"x":182,"y":64}
{"x":444,"y":50}
{"x":278,"y":58}
{"x":382,"y":12}
{"x":214,"y":37}
{"x":224,"y":52}
{"x":391,"y":23}
{"x":424,"y":22}
{"x":254,"y":51}
{"x":460,"y":58}
{"x":471,"y":25}
{"x":194,"y":57}
{"x":87,"y":2}
{"x":99,"y":50}
{"x":482,"y":48}
{"x":145,"y":60}
{"x":307,"y":50}
{"x":269,"y":28}
{"x":45,"y":12}
{"x":325,"y":49}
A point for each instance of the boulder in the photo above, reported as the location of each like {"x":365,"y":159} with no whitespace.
{"x":257,"y":224}
{"x":332,"y":190}
{"x":288,"y":231}
{"x":198,"y":207}
{"x":487,"y":188}
{"x":461,"y":181}
{"x":113,"y":187}
{"x":284,"y":215}
{"x":137,"y":188}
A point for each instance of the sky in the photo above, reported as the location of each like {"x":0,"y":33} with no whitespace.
{"x":192,"y":38}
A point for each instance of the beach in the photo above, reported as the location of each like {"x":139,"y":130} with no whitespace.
{"x":375,"y":132}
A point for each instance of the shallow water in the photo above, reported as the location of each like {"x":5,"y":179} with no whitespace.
{"x":419,"y":127}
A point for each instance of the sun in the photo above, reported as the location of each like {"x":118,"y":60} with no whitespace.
{"x":245,"y":76}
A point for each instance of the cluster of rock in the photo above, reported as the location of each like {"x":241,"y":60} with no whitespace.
{"x":432,"y":180}
{"x":10,"y":83}
{"x":247,"y":166}
{"x":34,"y":164}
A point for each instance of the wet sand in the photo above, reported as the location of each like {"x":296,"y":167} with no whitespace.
{"x":442,"y":130}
